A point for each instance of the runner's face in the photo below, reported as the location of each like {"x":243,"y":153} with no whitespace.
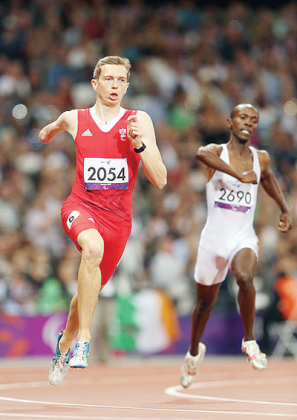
{"x":244,"y":122}
{"x":112,"y":84}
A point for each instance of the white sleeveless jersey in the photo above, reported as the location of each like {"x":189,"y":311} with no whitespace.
{"x":230,"y":209}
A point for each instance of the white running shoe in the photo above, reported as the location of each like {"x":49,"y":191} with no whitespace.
{"x":80,"y":355}
{"x":255,"y":357}
{"x":59,"y":365}
{"x":189,"y":368}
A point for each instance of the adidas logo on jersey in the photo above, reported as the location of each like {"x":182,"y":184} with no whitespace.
{"x":87,"y":133}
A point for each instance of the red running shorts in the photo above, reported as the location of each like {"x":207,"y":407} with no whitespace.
{"x":77,"y":217}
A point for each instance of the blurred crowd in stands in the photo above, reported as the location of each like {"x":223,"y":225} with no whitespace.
{"x":190,"y":66}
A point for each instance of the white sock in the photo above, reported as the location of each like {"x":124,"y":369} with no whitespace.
{"x":194,"y":358}
{"x":249,"y":341}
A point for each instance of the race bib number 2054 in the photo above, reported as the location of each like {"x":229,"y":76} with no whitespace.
{"x":106,"y":174}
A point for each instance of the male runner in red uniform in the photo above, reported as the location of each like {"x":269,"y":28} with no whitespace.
{"x":97,"y":215}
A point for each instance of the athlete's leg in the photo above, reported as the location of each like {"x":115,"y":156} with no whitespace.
{"x":89,"y":280}
{"x":244,"y":265}
{"x":206,"y":298}
{"x":72,"y":326}
{"x":83,"y":303}
{"x":210,"y":271}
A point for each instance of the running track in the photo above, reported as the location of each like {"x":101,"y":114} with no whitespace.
{"x":227,"y":389}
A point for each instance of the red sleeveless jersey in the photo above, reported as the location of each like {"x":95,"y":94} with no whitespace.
{"x":106,"y":166}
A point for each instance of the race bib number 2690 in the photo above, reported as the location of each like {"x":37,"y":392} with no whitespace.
{"x":236,"y":197}
{"x":106,"y":174}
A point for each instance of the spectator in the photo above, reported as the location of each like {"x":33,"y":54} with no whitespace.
{"x":168,"y":273}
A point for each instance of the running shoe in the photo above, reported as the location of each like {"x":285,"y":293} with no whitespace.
{"x":189,"y":368}
{"x":80,"y":355}
{"x":255,"y":357}
{"x":59,"y":365}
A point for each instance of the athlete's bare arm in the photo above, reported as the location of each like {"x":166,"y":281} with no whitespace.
{"x":141,"y":129}
{"x":271,"y":186}
{"x":210,"y":156}
{"x":67,"y":121}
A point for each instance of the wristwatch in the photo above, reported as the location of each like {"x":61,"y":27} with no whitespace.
{"x":141,"y":148}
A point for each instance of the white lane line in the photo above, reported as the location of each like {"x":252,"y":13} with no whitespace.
{"x":20,"y":385}
{"x":174,"y":410}
{"x":238,"y":382}
{"x":88,"y":381}
{"x":179,"y":391}
{"x":145,"y":379}
{"x":172,"y":391}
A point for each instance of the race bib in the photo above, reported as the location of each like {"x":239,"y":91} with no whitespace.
{"x":235,"y":197}
{"x":106,"y":174}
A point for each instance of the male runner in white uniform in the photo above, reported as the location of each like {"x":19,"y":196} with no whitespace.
{"x":226,"y":232}
{"x":228,"y":239}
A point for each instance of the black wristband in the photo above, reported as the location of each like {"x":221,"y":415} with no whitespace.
{"x":141,"y":148}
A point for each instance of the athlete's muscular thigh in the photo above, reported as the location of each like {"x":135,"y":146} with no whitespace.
{"x":210,"y":268}
{"x":92,"y":245}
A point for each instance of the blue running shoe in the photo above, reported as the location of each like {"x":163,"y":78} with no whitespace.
{"x":59,"y":365}
{"x":80,"y":355}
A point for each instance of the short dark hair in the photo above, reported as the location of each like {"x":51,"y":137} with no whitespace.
{"x":241,"y":105}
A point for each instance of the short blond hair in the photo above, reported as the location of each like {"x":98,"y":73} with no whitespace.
{"x":112,"y":59}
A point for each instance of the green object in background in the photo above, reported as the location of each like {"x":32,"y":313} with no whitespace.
{"x":51,"y":297}
{"x":124,"y":331}
{"x":181,"y":118}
